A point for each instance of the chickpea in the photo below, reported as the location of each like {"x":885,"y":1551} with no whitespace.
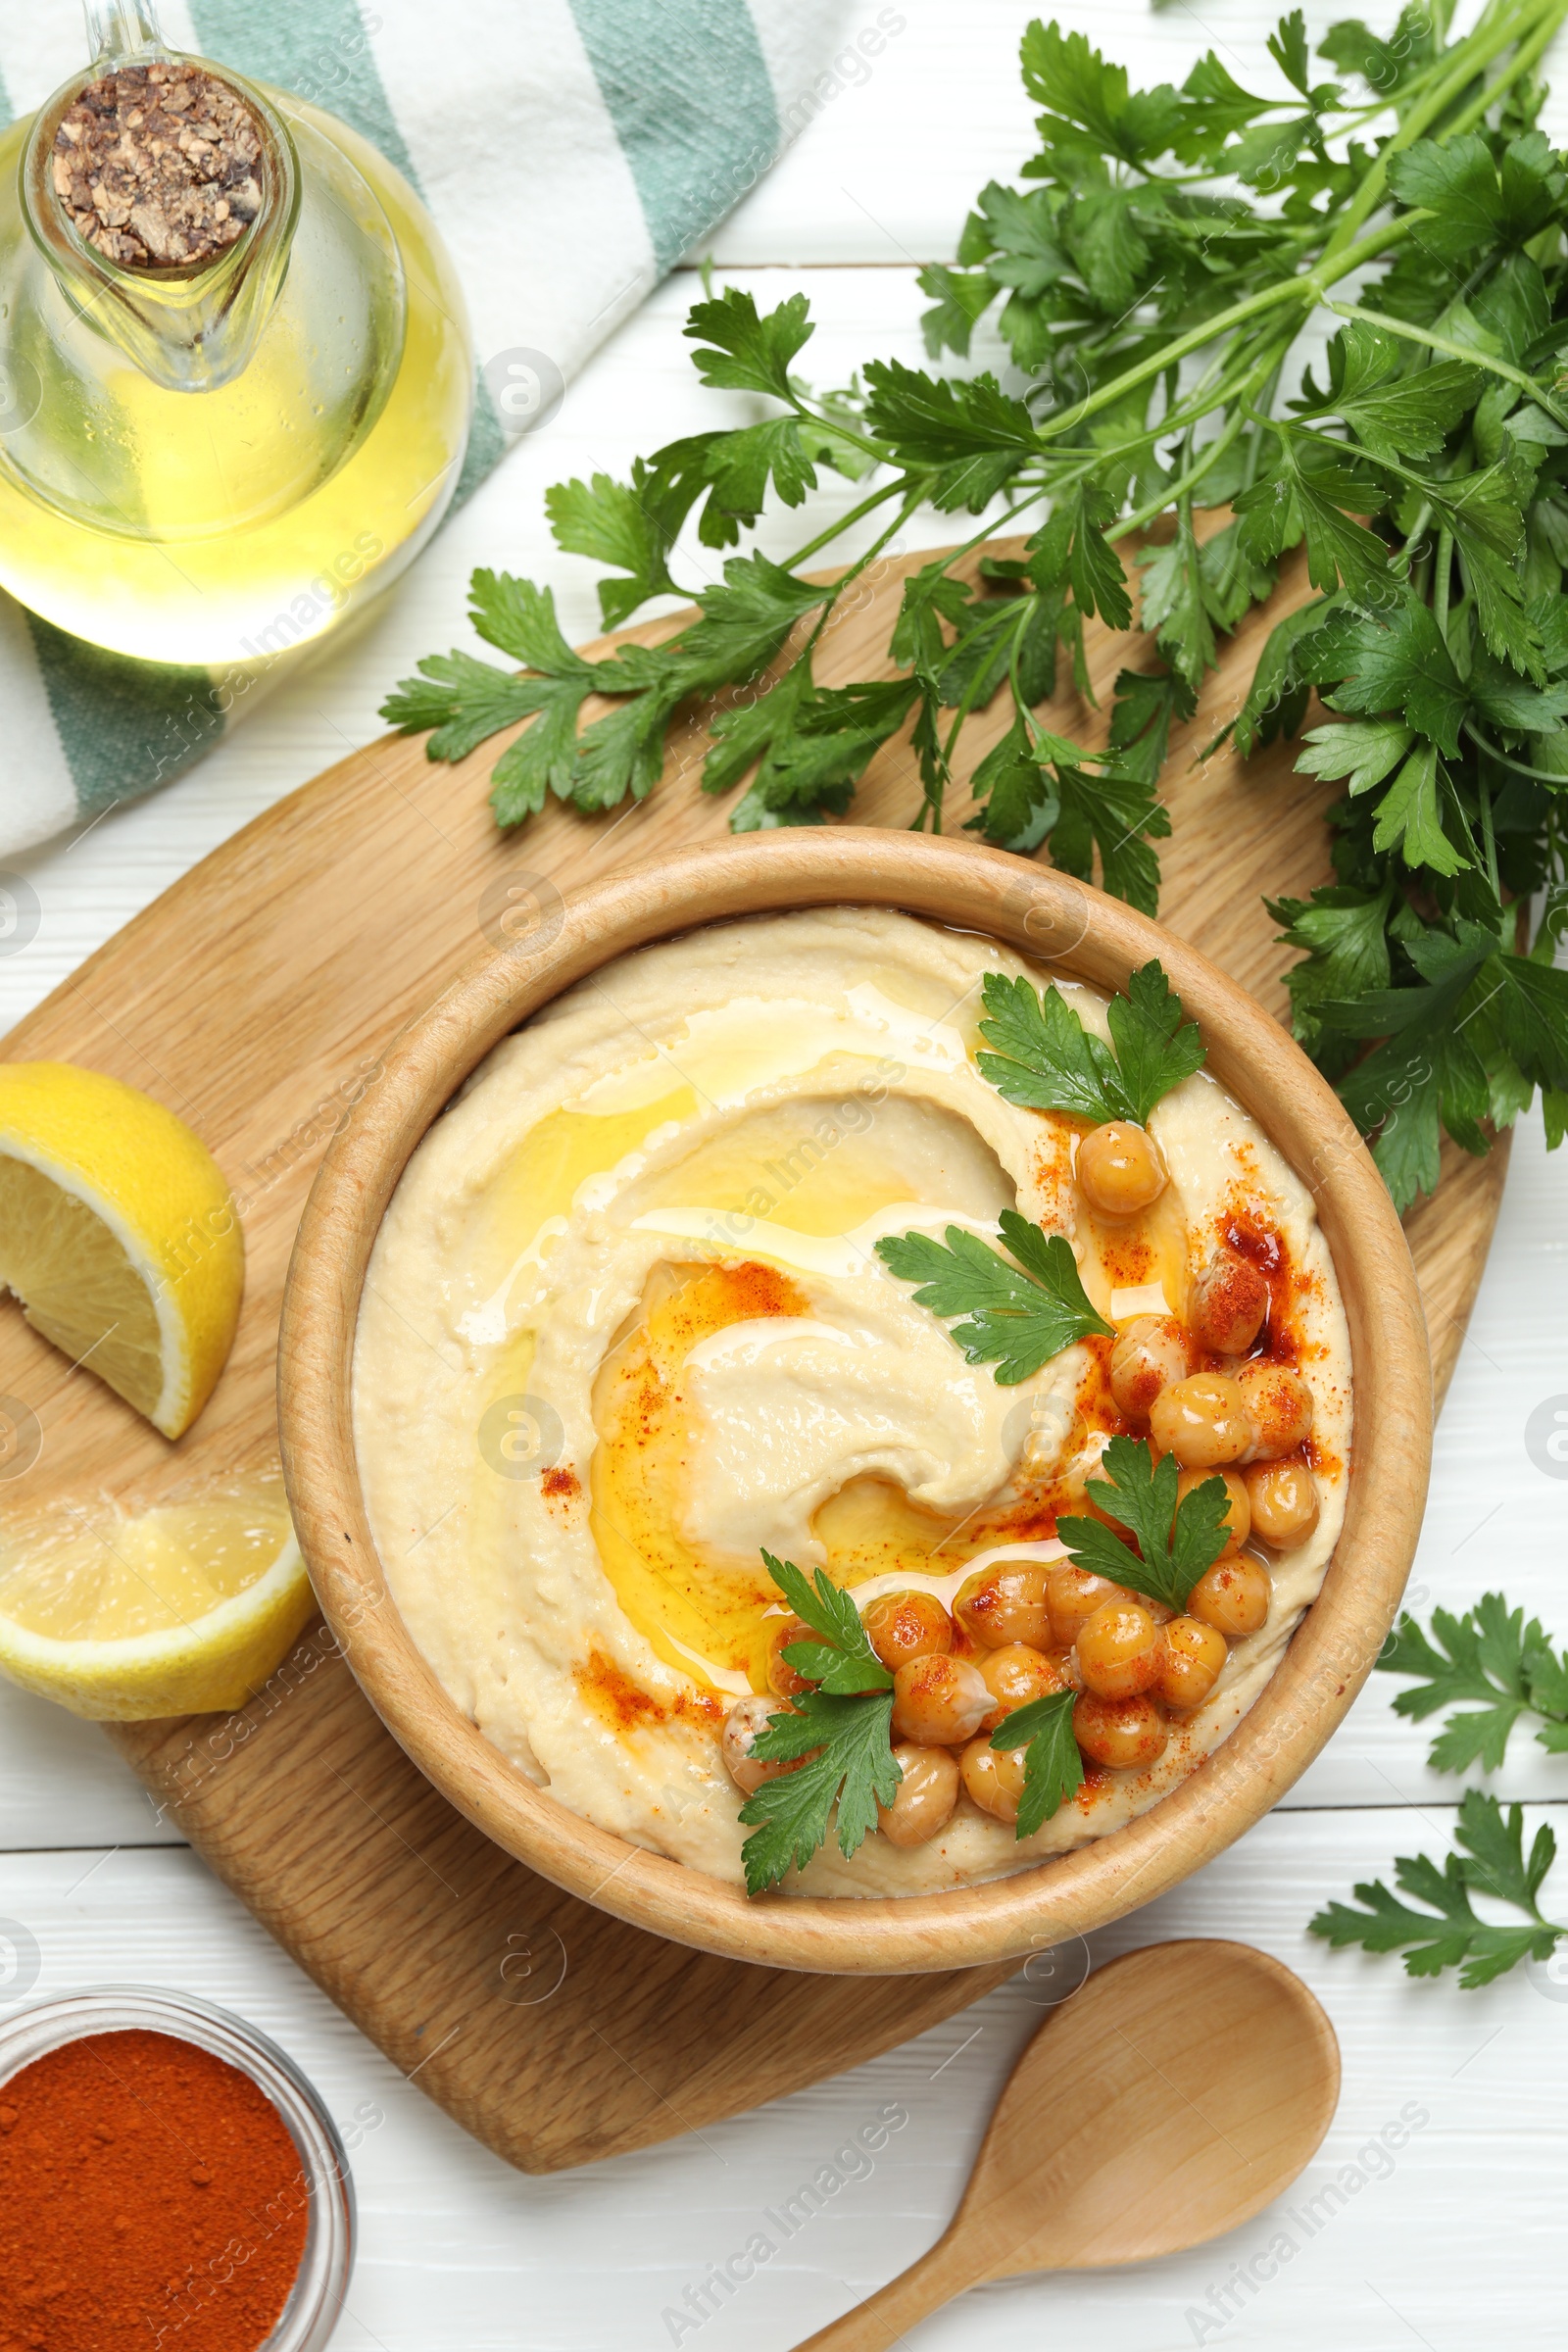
{"x":925,"y":1799}
{"x":938,"y":1702}
{"x":744,"y":1724}
{"x":901,"y":1626}
{"x":1238,"y":1519}
{"x":1226,"y":1305}
{"x":1014,"y":1676}
{"x":1120,"y":1649}
{"x":1278,"y":1404}
{"x":1151,"y":1355}
{"x":1234,"y":1596}
{"x":1283,"y":1497}
{"x":1195,"y":1654}
{"x":1075,"y":1595}
{"x":1203,"y":1421}
{"x":994,"y":1778}
{"x":1010,"y":1604}
{"x":1122,"y":1734}
{"x":782,"y":1678}
{"x":1119,"y":1168}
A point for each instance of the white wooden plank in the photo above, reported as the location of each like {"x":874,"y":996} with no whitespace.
{"x":1460,"y":2242}
{"x":62,"y":1784}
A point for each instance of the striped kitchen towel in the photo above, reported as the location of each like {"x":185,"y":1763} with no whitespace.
{"x":627,"y":127}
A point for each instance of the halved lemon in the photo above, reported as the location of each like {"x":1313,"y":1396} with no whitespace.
{"x":183,"y":1610}
{"x":119,"y":1236}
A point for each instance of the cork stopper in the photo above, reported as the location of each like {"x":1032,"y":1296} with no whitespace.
{"x":159,"y":166}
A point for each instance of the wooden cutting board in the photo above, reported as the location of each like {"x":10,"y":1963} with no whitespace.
{"x":257,"y":999}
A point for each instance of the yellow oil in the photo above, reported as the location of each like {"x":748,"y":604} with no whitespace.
{"x":192,"y":573}
{"x":699,"y":1613}
{"x":829,"y":1195}
{"x":543,"y":1178}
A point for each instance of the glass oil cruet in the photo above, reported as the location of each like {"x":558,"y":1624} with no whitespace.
{"x":214,"y":461}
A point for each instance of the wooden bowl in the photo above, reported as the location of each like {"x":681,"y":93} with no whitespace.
{"x":554,"y":942}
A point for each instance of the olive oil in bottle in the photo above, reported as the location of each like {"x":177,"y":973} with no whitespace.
{"x":214,"y":461}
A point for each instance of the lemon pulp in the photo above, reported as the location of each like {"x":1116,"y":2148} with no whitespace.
{"x":185,"y":1609}
{"x":79,"y":1287}
{"x":118,"y":1235}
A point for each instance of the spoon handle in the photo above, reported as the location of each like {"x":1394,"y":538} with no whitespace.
{"x":879,"y":2323}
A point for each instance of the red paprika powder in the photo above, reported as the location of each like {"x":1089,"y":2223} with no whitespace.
{"x":151,"y":2200}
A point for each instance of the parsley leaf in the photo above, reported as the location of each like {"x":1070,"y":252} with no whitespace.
{"x":1046,"y":1059}
{"x":1155,"y":1048}
{"x":1452,"y":1934}
{"x":629,"y":524}
{"x":968,"y":437}
{"x":1053,"y":1768}
{"x":743,"y":353}
{"x":1489,"y":1654}
{"x":856,"y":1771}
{"x":1343,"y":933}
{"x":841,"y":1660}
{"x":1176,"y":1544}
{"x":1425,"y":1068}
{"x":1396,"y":409}
{"x":1021,"y":1315}
{"x":847,"y":1717}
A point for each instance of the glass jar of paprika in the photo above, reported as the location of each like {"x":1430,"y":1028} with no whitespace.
{"x":164,"y":2162}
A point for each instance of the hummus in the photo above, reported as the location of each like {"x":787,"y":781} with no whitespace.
{"x":625,"y":1326}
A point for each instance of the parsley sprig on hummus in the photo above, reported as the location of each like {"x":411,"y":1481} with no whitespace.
{"x":1178,"y":1541}
{"x":1052,"y":1764}
{"x":837,"y":1737}
{"x":1019,"y":1315}
{"x":1046,"y":1059}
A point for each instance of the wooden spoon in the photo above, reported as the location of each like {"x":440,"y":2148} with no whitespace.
{"x":1180,"y":2091}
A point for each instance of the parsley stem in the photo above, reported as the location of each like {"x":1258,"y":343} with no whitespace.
{"x":1453,"y":349}
{"x":1310,"y":288}
{"x":1517,"y":767}
{"x":1488,"y":835}
{"x":836,"y":530}
{"x":1182,"y":488}
{"x":976,"y":680}
{"x":1443,"y":580}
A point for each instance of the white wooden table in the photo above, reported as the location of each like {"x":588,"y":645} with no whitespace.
{"x":1459,"y":2245}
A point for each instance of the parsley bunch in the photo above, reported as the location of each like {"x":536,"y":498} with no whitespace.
{"x":1492,"y":1656}
{"x":1149,"y":275}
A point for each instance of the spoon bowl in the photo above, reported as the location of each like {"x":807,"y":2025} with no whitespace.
{"x":1178,"y":2093}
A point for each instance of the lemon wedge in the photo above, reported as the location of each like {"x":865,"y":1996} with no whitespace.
{"x":183,"y":1610}
{"x":119,"y":1236}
